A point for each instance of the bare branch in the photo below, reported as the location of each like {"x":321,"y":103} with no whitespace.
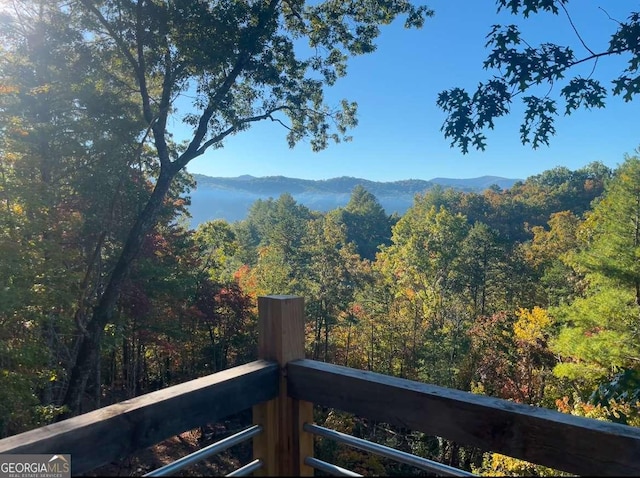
{"x":595,"y":63}
{"x":595,"y":56}
{"x":575,"y":29}
{"x":278,"y":120}
{"x":610,"y":18}
{"x":220,"y":136}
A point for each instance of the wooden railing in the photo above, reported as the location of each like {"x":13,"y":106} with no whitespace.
{"x":282,"y":388}
{"x":564,"y":442}
{"x":110,"y":433}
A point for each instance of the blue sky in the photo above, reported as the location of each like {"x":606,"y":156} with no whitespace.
{"x":398,"y":136}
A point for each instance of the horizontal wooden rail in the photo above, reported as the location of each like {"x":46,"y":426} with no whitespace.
{"x":114,"y":432}
{"x":561,"y":441}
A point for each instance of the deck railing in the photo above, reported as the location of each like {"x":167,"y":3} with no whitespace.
{"x":114,"y":432}
{"x":282,"y":388}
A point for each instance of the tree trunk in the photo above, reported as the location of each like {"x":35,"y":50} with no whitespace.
{"x":346,"y":359}
{"x":326,"y":338}
{"x":87,"y":357}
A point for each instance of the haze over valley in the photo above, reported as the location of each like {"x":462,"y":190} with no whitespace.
{"x":231,"y":198}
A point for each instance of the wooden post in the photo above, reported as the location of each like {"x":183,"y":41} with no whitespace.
{"x":283,"y":445}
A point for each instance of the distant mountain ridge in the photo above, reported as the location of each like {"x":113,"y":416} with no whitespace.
{"x":230,"y":198}
{"x":280,"y":184}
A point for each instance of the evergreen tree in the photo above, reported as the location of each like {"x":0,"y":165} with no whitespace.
{"x":599,"y":337}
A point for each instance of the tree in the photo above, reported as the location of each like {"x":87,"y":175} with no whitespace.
{"x":509,"y":355}
{"x":521,"y":68}
{"x":613,"y":229}
{"x":332,"y":273}
{"x":547,"y":254}
{"x":600,"y":334}
{"x":271,"y":238}
{"x":368,"y":226}
{"x":237,"y":59}
{"x":217,"y":245}
{"x":560,"y":189}
{"x":479,"y":269}
{"x":73,"y":179}
{"x":422,"y":263}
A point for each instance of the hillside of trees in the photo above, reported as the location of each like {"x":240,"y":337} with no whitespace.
{"x":231,"y":198}
{"x":531,"y":294}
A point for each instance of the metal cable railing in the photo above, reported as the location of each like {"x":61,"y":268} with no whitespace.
{"x":213,"y":449}
{"x":247,"y":469}
{"x":330,"y":468}
{"x":387,"y":452}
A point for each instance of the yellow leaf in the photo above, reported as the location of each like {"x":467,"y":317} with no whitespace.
{"x":531,"y":324}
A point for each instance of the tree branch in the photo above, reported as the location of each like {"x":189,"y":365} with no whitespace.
{"x":181,"y":162}
{"x":124,"y":50}
{"x":610,"y":18}
{"x":517,"y":90}
{"x":160,"y":126}
{"x":203,"y":124}
{"x":596,"y":56}
{"x":142,"y":80}
{"x":575,"y":29}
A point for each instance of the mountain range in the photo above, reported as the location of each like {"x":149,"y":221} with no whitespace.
{"x":231,"y":198}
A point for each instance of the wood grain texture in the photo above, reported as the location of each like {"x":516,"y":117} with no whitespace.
{"x":264,"y":448}
{"x":561,"y":441}
{"x":303,"y":413}
{"x":116,"y":431}
{"x":284,"y":445}
{"x":281,"y":328}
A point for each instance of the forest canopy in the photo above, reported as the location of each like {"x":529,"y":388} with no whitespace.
{"x":96,"y":83}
